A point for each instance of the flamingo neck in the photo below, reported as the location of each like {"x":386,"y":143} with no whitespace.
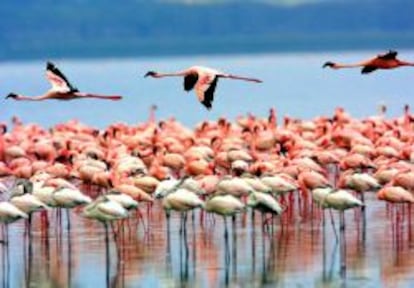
{"x":173,"y":74}
{"x":339,"y":65}
{"x":235,"y":77}
{"x":29,"y":98}
{"x":405,"y":63}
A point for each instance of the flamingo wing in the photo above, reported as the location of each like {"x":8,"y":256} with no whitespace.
{"x":58,"y":80}
{"x":390,"y":55}
{"x":368,"y":69}
{"x":190,"y":81}
{"x":205,"y":88}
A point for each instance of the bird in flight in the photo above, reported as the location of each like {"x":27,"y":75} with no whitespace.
{"x":383,"y":61}
{"x":61,"y":89}
{"x":203,"y":80}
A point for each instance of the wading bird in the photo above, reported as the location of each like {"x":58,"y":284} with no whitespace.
{"x":8,"y":214}
{"x":61,"y":89}
{"x":203,"y":80}
{"x":383,"y":61}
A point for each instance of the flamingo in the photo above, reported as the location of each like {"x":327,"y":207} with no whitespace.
{"x":182,"y":200}
{"x":61,"y":89}
{"x":125,"y":200}
{"x":203,"y":80}
{"x":382,"y":61}
{"x":8,"y":214}
{"x":341,"y":200}
{"x":22,"y":197}
{"x":104,"y":210}
{"x":69,"y":198}
{"x":265,"y":203}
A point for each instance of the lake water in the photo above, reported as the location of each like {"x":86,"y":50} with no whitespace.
{"x":302,"y":254}
{"x":299,"y":255}
{"x":295,"y":84}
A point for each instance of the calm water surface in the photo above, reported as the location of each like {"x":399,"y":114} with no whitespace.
{"x":293,"y":83}
{"x":301,"y":253}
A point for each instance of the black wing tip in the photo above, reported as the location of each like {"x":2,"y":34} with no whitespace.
{"x":391,"y":54}
{"x":11,"y":95}
{"x":150,"y":73}
{"x":368,"y":69}
{"x":50,"y":65}
{"x":328,"y":64}
{"x":190,"y":81}
{"x":207,"y":104}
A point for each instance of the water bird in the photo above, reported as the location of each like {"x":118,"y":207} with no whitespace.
{"x":125,"y":200}
{"x":265,"y":203}
{"x":104,"y":209}
{"x":341,"y":200}
{"x":382,"y":61}
{"x":224,"y":205}
{"x":203,"y":80}
{"x":395,"y":194}
{"x":181,"y":200}
{"x":8,"y":214}
{"x":23,"y":199}
{"x":61,"y":89}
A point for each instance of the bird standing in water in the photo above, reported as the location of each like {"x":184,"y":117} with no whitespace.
{"x":61,"y":89}
{"x":203,"y":80}
{"x":383,"y":61}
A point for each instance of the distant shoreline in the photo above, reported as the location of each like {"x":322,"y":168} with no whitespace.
{"x":209,"y":46}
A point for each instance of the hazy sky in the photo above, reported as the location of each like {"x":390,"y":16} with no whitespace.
{"x":276,"y":2}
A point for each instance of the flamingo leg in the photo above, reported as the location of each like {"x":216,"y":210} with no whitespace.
{"x":333,"y":224}
{"x":107,"y":262}
{"x":342,"y":242}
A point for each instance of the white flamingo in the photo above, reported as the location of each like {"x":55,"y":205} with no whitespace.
{"x":104,"y":210}
{"x":22,"y":197}
{"x":341,"y":200}
{"x":224,"y":205}
{"x":125,"y":200}
{"x":69,"y":198}
{"x":181,"y":200}
{"x":8,"y":214}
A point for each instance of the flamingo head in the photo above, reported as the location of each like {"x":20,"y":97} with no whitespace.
{"x":11,"y":95}
{"x":152,"y":74}
{"x":329,"y":64}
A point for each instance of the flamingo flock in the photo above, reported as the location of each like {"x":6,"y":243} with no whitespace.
{"x":225,"y":168}
{"x":221,"y":167}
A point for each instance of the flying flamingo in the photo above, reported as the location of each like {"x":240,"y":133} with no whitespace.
{"x":61,"y":89}
{"x":203,"y":80}
{"x":382,"y":61}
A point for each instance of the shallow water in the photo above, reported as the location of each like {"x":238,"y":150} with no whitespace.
{"x":300,"y":253}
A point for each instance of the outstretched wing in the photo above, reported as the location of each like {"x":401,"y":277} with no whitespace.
{"x":390,"y":55}
{"x":190,"y":80}
{"x":205,"y":90}
{"x":58,"y":81}
{"x":368,"y":69}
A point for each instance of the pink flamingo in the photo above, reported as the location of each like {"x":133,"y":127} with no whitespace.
{"x":61,"y":89}
{"x":203,"y":80}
